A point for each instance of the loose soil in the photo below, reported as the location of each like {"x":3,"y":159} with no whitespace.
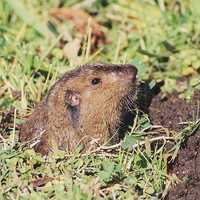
{"x":170,"y":112}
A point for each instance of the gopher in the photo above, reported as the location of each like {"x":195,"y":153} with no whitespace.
{"x":85,"y":107}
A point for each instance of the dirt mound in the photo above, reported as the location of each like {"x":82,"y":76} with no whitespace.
{"x":170,"y":112}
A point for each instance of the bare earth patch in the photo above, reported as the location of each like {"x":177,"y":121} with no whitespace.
{"x":170,"y":112}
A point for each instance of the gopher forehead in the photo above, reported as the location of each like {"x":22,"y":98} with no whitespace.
{"x":92,"y":69}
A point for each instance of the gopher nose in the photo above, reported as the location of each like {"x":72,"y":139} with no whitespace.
{"x":128,"y":72}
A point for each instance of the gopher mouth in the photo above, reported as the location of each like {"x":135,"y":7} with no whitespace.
{"x":128,"y":101}
{"x":127,"y":105}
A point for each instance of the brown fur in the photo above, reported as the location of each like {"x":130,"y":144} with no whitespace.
{"x":77,"y":112}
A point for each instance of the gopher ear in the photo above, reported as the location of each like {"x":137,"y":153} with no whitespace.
{"x":72,"y":98}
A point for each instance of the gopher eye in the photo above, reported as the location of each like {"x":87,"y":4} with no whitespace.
{"x":96,"y":81}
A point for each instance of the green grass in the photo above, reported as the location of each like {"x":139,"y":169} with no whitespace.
{"x":162,"y":39}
